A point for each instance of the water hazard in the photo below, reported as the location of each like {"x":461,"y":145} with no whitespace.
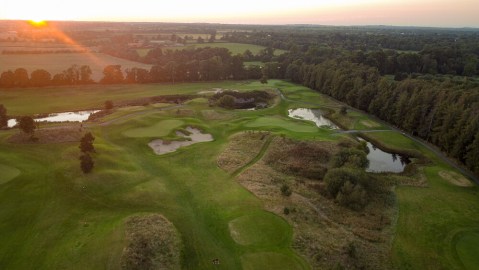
{"x":380,"y":161}
{"x":60,"y":117}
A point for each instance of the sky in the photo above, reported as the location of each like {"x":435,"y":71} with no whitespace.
{"x":439,"y":13}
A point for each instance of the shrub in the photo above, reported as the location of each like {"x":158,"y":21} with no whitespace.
{"x":350,"y":157}
{"x":285,"y":190}
{"x":226,"y":101}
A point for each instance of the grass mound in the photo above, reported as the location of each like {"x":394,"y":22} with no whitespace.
{"x":160,"y":129}
{"x":8,"y":173}
{"x":271,"y":121}
{"x":259,"y":229}
{"x":153,"y":243}
{"x":455,"y":179}
{"x":269,"y":260}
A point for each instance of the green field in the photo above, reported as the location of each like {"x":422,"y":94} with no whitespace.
{"x":235,"y":48}
{"x":58,"y":62}
{"x":55,"y":217}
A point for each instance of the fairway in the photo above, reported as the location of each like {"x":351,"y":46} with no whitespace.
{"x":58,"y":62}
{"x":263,"y":229}
{"x":7,"y":173}
{"x":467,"y":248}
{"x":160,"y":129}
{"x":269,"y":260}
{"x":282,"y":123}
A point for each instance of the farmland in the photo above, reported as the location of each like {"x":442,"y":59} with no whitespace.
{"x":58,"y":62}
{"x":234,"y":48}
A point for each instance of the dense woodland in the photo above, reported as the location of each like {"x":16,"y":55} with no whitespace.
{"x":422,"y":80}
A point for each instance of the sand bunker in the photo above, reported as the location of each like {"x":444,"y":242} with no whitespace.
{"x":161,"y":147}
{"x":455,"y":179}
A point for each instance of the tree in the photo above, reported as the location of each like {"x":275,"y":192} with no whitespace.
{"x":7,"y":79}
{"x":20,"y":77}
{"x":108,"y":105}
{"x":85,"y":74}
{"x":86,"y":143}
{"x":86,"y":163}
{"x":40,"y":77}
{"x":343,"y":110}
{"x":3,"y":116}
{"x":27,"y":125}
{"x":112,"y":74}
{"x":200,"y":40}
{"x":227,"y":101}
{"x":264,"y":79}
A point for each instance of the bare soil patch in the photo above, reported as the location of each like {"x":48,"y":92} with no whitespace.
{"x":152,"y":243}
{"x":455,"y":179}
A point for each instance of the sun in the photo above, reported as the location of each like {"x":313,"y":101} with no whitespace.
{"x":37,"y":22}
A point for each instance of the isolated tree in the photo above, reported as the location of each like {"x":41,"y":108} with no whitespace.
{"x":3,"y":116}
{"x":86,"y":143}
{"x":27,"y":125}
{"x":108,"y":105}
{"x":200,"y":40}
{"x":86,"y":163}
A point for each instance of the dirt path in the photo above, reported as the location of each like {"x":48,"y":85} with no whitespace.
{"x":427,"y":145}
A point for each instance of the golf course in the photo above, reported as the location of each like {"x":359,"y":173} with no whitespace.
{"x":227,"y":203}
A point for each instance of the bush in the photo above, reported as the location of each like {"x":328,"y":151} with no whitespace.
{"x":350,"y":157}
{"x":226,"y":101}
{"x":285,"y":190}
{"x":286,"y":211}
{"x":108,"y":105}
{"x":352,"y":196}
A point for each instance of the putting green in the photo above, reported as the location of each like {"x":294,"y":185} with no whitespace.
{"x":467,"y":248}
{"x":160,"y":129}
{"x":271,"y":121}
{"x":260,"y":229}
{"x":269,"y":260}
{"x":8,"y":173}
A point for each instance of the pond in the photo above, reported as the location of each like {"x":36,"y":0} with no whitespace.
{"x":60,"y":117}
{"x":380,"y":161}
{"x":312,"y":115}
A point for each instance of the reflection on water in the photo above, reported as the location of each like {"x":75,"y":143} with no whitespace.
{"x":60,"y":117}
{"x":380,"y":161}
{"x":312,"y":115}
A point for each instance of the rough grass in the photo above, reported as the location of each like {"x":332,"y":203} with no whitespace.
{"x":159,"y":129}
{"x":58,"y":62}
{"x":242,"y":148}
{"x":323,"y":230}
{"x":8,"y":173}
{"x":152,"y":243}
{"x":50,"y":135}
